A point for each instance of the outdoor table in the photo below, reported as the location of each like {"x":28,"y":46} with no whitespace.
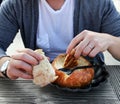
{"x":26,"y":92}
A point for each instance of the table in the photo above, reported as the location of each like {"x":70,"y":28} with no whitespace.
{"x":25,"y":92}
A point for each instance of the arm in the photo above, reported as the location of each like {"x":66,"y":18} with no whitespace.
{"x":89,"y":43}
{"x":114,"y":48}
{"x":22,"y":62}
{"x":106,"y":39}
{"x":8,"y":28}
{"x":111,"y":25}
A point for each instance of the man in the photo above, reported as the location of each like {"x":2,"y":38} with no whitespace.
{"x":57,"y":26}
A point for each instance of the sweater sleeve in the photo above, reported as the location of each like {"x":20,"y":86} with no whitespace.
{"x":8,"y":25}
{"x":111,"y":19}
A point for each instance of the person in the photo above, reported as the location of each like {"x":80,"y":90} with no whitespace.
{"x":57,"y":26}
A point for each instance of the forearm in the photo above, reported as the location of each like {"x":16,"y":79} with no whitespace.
{"x":114,"y":48}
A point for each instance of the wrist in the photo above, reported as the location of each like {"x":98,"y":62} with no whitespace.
{"x":112,"y":42}
{"x":4,"y":61}
{"x":3,"y":68}
{"x":109,"y":40}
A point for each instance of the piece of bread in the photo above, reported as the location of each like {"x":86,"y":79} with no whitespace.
{"x":77,"y":79}
{"x":70,"y":61}
{"x":43,"y":73}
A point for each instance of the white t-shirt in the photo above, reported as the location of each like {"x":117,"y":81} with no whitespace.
{"x":55,"y":28}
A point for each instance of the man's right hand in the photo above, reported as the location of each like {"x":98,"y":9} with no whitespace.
{"x":21,"y":64}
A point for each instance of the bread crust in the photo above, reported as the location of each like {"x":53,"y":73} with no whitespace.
{"x":78,"y":78}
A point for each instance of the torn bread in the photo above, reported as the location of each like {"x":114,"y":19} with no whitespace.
{"x":43,"y":73}
{"x":70,"y":61}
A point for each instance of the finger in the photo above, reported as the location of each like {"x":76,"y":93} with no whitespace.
{"x":18,"y":64}
{"x":32,"y":53}
{"x":80,"y":47}
{"x":22,"y":74}
{"x":26,"y":58}
{"x":88,"y":49}
{"x":74,"y":42}
{"x":12,"y":77}
{"x":16,"y":73}
{"x":94,"y":52}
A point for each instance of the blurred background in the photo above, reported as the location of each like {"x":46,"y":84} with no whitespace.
{"x":18,"y":44}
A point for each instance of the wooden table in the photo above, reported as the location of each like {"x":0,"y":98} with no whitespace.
{"x":25,"y":92}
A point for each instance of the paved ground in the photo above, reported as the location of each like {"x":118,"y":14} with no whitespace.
{"x":17,"y":44}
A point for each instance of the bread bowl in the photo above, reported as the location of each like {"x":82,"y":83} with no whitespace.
{"x":79,"y":78}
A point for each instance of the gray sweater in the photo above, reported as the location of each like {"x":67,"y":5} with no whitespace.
{"x":95,"y":15}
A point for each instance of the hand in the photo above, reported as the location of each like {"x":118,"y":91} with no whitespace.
{"x":89,"y":43}
{"x":21,"y":64}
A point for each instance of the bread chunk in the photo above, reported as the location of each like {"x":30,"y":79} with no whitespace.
{"x":43,"y":73}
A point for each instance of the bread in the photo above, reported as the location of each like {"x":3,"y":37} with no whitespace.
{"x":43,"y":73}
{"x":79,"y":78}
{"x":70,"y":61}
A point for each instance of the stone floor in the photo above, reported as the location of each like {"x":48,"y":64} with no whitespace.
{"x":17,"y":44}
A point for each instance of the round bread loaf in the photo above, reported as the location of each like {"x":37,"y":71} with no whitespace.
{"x":79,"y":78}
